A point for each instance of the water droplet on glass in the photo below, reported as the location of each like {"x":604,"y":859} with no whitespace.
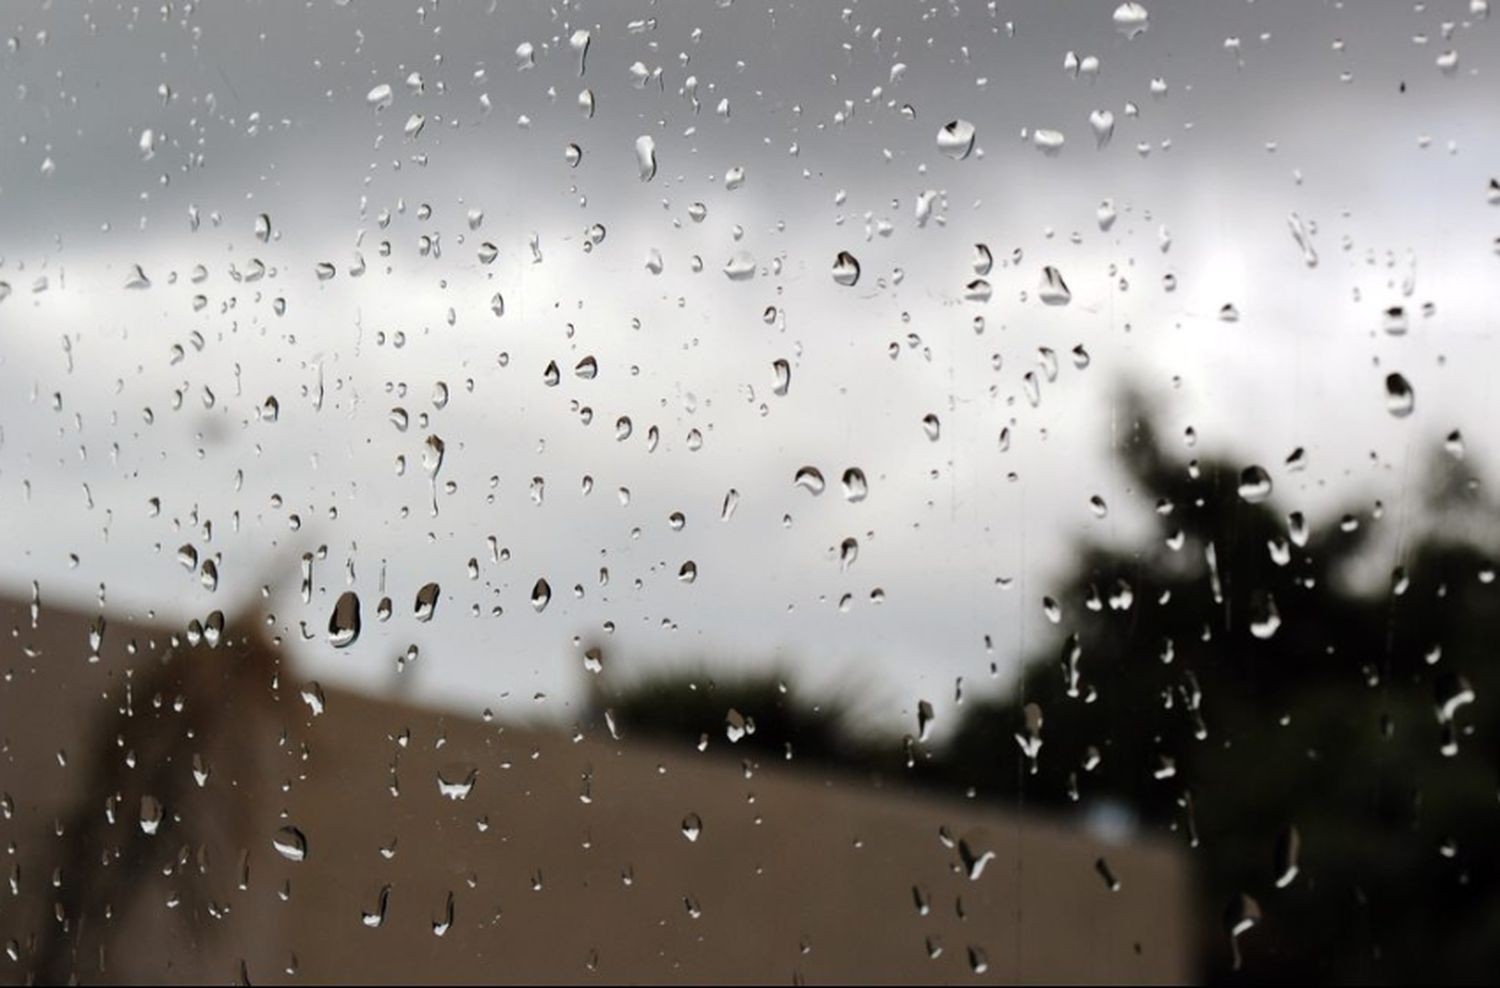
{"x":541,"y":595}
{"x":692,"y":826}
{"x":845,"y":269}
{"x":810,"y":479}
{"x":1240,"y":917}
{"x":1053,"y":290}
{"x":782,"y":372}
{"x":380,"y":97}
{"x":1288,"y":851}
{"x":1399,"y":397}
{"x":343,"y":623}
{"x":427,"y":601}
{"x":1049,"y":142}
{"x":290,"y":843}
{"x":1102,"y":122}
{"x":456,"y":781}
{"x":855,"y":486}
{"x":152,"y":814}
{"x":1255,"y":485}
{"x":645,"y":157}
{"x":956,"y":139}
{"x":1131,"y":19}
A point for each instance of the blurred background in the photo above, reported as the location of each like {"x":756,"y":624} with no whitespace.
{"x":936,"y":493}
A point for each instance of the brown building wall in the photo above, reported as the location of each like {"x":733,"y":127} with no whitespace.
{"x":797,"y":873}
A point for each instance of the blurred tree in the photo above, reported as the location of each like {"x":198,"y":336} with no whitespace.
{"x":1317,"y":747}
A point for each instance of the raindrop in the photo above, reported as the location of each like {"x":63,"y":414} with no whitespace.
{"x":1255,"y":485}
{"x":783,"y":377}
{"x":845,"y":269}
{"x":1265,"y":620}
{"x":1105,"y":872}
{"x":1303,"y":240}
{"x":810,"y":479}
{"x":152,"y":814}
{"x":1288,"y":850}
{"x":855,"y":486}
{"x":1399,"y":397}
{"x":1131,"y":19}
{"x":343,"y":623}
{"x":375,"y":919}
{"x":956,"y":139}
{"x":1103,"y":124}
{"x":645,"y":157}
{"x":740,"y":267}
{"x":456,"y":781}
{"x":925,"y":717}
{"x":1240,"y":917}
{"x":579,"y":42}
{"x":692,"y":827}
{"x":1049,"y":142}
{"x":974,"y":861}
{"x":427,"y":600}
{"x":541,"y":595}
{"x":1053,"y":290}
{"x":290,"y":843}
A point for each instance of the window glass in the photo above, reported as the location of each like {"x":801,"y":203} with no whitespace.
{"x":717,"y":492}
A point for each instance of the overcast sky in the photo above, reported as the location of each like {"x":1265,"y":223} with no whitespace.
{"x":1373,"y":127}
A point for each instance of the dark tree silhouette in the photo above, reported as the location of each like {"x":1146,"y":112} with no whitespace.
{"x":1222,"y":682}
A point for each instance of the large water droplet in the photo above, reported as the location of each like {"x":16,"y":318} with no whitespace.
{"x":645,"y":156}
{"x":1053,"y":290}
{"x":541,"y":595}
{"x":152,"y":814}
{"x":846,"y":269}
{"x":1131,"y":19}
{"x":427,"y":601}
{"x":344,"y":622}
{"x":380,"y":97}
{"x":956,"y":139}
{"x":1255,"y":485}
{"x":855,"y":486}
{"x":810,"y":479}
{"x":457,"y":781}
{"x":1400,"y":399}
{"x":290,"y":843}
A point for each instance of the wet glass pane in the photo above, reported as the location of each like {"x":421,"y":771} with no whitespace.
{"x":710,"y":492}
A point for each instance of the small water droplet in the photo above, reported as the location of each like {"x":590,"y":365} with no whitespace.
{"x":692,"y":827}
{"x":290,"y":843}
{"x":956,"y":139}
